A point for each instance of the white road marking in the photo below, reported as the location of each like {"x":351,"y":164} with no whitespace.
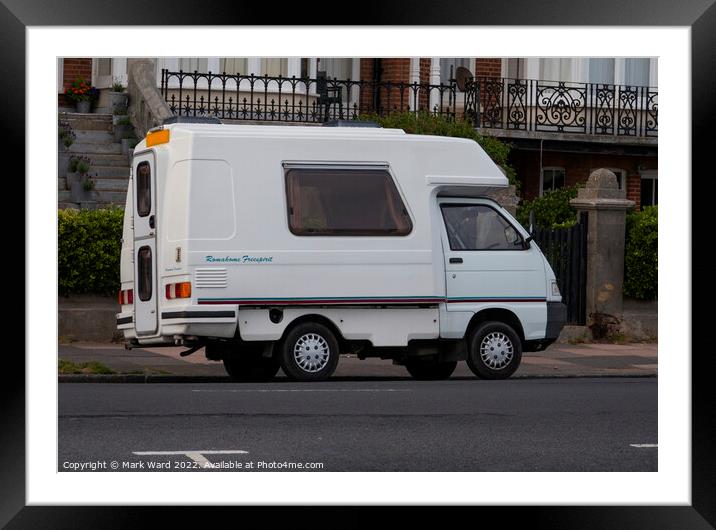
{"x":309,"y":390}
{"x":196,"y":456}
{"x":644,"y":446}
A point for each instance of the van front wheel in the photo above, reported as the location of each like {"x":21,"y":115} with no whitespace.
{"x":309,"y":353}
{"x":495,"y":351}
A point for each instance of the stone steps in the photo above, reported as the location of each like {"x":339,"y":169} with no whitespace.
{"x":108,"y":159}
{"x":101,"y":184}
{"x":87,"y":122}
{"x":109,"y":171}
{"x":92,"y":149}
{"x":94,"y":137}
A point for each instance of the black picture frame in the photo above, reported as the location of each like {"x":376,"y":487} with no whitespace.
{"x":699,"y":15}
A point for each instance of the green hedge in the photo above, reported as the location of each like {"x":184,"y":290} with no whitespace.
{"x":89,"y":244}
{"x":641,"y":270}
{"x":552,"y":210}
{"x":434,"y":125}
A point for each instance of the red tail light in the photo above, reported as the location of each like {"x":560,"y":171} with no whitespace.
{"x":126,"y":297}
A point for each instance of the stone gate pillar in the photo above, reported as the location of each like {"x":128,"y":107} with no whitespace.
{"x":606,"y":206}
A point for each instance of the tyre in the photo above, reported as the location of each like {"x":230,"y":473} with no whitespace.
{"x":495,"y":351}
{"x":430,"y":369}
{"x":309,"y":352}
{"x":250,"y":366}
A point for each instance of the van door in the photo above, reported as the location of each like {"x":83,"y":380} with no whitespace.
{"x":486,"y":260}
{"x":145,"y":244}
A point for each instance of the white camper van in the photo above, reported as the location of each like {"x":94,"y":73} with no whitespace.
{"x":284,"y":246}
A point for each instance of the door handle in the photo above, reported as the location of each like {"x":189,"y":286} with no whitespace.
{"x":455,"y":260}
{"x":151,"y":221}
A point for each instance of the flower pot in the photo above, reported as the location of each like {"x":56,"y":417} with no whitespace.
{"x":83,"y":107}
{"x":118,"y":101}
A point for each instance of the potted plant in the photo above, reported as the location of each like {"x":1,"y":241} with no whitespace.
{"x":118,"y":97}
{"x":79,"y":93}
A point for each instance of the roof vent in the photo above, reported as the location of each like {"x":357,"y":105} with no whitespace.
{"x":351,"y":123}
{"x":192,"y":119}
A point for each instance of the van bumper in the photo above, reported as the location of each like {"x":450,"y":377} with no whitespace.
{"x":179,"y":321}
{"x":556,"y":319}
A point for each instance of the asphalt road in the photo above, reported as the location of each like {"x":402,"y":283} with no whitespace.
{"x":377,"y":425}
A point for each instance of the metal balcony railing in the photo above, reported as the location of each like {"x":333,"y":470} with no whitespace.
{"x":488,"y":102}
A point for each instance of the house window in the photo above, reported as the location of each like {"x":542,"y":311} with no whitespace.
{"x":448,"y":68}
{"x":555,"y":69}
{"x":601,"y":71}
{"x":552,"y":179}
{"x":274,"y":66}
{"x":479,"y":227}
{"x":636,"y":72}
{"x":304,"y":68}
{"x":345,"y":202}
{"x":191,"y":64}
{"x":516,"y":68}
{"x":649,"y":189}
{"x":233,"y":65}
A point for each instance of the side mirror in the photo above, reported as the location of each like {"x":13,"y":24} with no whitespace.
{"x":526,"y":242}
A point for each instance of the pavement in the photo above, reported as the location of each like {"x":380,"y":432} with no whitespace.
{"x":559,"y":360}
{"x":541,"y":424}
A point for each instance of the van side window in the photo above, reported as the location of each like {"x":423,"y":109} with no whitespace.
{"x":345,"y":202}
{"x":144,"y":189}
{"x":479,"y":227}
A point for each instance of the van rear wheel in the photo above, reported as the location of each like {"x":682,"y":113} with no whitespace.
{"x":309,"y":352}
{"x":430,"y":369}
{"x":250,"y":366}
{"x":495,"y":351}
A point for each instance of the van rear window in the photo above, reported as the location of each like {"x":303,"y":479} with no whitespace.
{"x":345,"y":202}
{"x":144,"y":273}
{"x":144,"y":189}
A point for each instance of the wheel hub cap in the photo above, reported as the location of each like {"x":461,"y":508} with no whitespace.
{"x":496,"y":350}
{"x":311,"y":352}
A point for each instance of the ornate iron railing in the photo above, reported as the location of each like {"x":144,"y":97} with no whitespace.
{"x":293,"y":99}
{"x":489,"y":102}
{"x":562,"y":107}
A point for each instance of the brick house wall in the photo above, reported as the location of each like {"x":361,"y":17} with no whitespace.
{"x":488,"y":67}
{"x":577,"y":167}
{"x":423,"y":101}
{"x":72,"y":69}
{"x":393,"y":70}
